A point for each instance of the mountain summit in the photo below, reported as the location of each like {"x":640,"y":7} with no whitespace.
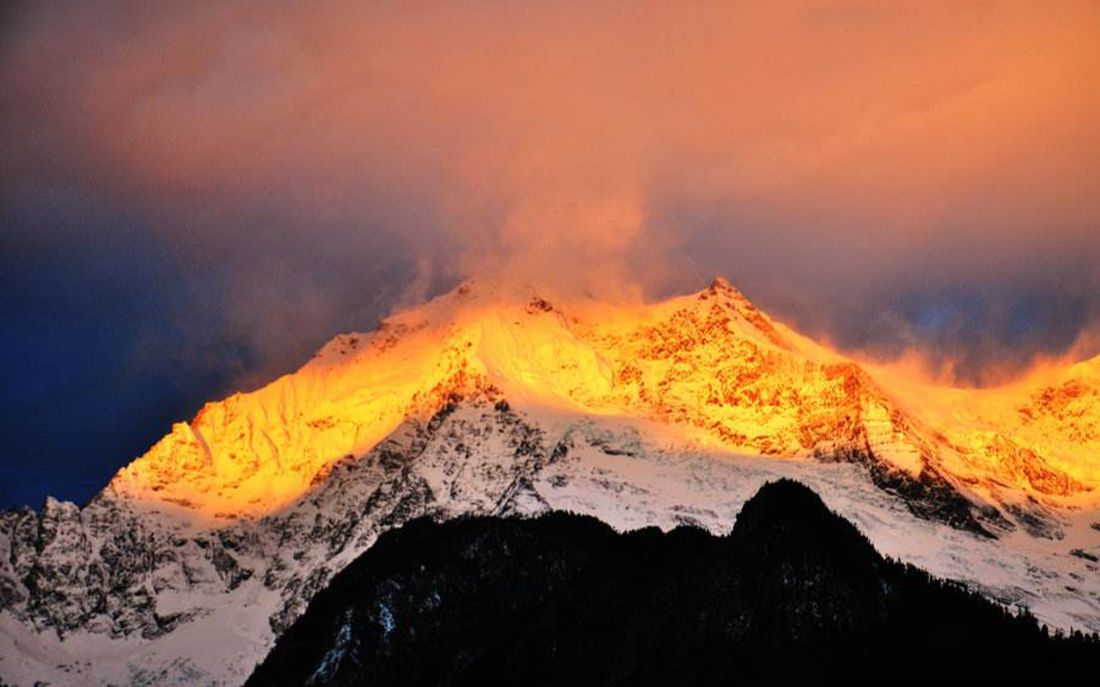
{"x":708,"y":370}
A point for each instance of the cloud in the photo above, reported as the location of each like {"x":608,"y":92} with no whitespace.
{"x":883,"y":175}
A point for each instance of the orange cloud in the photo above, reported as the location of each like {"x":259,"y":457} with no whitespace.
{"x":567,"y":141}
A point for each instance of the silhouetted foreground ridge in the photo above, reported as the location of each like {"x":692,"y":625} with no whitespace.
{"x":793,"y":591}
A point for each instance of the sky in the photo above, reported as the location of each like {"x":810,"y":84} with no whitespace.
{"x":195,"y":196}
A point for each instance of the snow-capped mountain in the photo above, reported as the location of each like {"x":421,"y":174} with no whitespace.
{"x":500,"y":401}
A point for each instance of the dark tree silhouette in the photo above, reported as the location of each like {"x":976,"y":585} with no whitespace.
{"x":793,"y":593}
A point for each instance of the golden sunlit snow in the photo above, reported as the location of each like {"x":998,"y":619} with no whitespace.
{"x":710,"y":369}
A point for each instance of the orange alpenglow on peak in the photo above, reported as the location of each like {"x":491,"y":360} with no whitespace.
{"x":706,"y":372}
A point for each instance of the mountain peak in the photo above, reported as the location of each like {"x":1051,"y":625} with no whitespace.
{"x":710,"y":369}
{"x":516,"y":401}
{"x":720,"y":283}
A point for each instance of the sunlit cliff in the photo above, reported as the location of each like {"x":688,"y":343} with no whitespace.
{"x":709,"y":371}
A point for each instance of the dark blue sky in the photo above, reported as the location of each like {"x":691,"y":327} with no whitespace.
{"x":194,"y":197}
{"x":85,"y":315}
{"x":108,"y":339}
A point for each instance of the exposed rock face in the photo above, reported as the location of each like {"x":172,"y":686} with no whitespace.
{"x":73,"y":568}
{"x":112,"y":569}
